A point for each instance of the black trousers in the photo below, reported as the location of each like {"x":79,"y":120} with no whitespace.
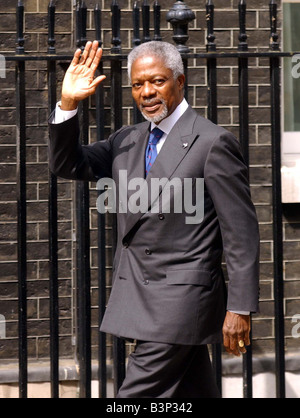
{"x":158,"y":370}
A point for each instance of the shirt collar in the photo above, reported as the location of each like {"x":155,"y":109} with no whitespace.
{"x":167,"y":124}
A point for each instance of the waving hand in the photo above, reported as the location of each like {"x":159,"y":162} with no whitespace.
{"x":79,"y":81}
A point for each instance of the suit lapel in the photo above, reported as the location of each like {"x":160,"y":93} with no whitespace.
{"x":138,"y":141}
{"x":177,"y":145}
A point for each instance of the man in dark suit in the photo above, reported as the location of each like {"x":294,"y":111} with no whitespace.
{"x":168,"y":289}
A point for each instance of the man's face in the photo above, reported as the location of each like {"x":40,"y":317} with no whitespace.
{"x":154,"y":89}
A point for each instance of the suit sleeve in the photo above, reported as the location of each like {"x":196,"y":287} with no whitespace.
{"x":71,"y":160}
{"x":227,"y":182}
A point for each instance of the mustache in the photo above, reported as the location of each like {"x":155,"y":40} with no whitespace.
{"x":152,"y":102}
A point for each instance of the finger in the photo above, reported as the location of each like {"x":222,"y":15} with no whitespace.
{"x":92,"y":54}
{"x":95,"y":83}
{"x":247,"y":332}
{"x":231,"y":350}
{"x":97,"y":59}
{"x":230,"y":344}
{"x":247,"y":338}
{"x":76,"y":57}
{"x":234,"y":348}
{"x":241,"y":346}
{"x":85,"y":53}
{"x":226,"y":342}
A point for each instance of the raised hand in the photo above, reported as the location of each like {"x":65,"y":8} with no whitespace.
{"x":79,"y":81}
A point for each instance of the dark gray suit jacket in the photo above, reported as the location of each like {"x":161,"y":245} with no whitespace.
{"x":168,"y":284}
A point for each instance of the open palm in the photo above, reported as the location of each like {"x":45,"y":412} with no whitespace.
{"x":79,"y":81}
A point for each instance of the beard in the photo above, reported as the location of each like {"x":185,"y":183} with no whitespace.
{"x":157,"y":118}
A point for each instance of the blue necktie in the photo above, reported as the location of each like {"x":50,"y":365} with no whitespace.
{"x":151,"y":152}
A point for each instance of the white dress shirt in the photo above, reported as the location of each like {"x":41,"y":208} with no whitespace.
{"x":167,"y":124}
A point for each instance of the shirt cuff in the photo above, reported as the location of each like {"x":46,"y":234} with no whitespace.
{"x":62,"y":115}
{"x":241,"y":312}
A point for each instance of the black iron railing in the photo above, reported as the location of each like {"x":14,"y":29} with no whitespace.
{"x":179,"y":17}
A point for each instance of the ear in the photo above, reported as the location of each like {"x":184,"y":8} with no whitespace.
{"x":181,"y":81}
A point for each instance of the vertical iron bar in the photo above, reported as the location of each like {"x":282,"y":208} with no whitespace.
{"x":277,"y":206}
{"x":53,"y":235}
{"x":116,"y":70}
{"x":137,"y":116}
{"x":116,"y":123}
{"x":156,"y":14}
{"x":83,"y":230}
{"x":20,"y":27}
{"x":146,"y":21}
{"x":186,"y":81}
{"x":102,"y":369}
{"x":81,"y":16}
{"x":78,"y":24}
{"x":244,"y":140}
{"x":119,"y":349}
{"x":210,"y":46}
{"x":212,"y":114}
{"x":21,"y":204}
{"x":243,"y":84}
{"x":83,"y":23}
{"x":136,"y":24}
{"x":211,"y":64}
{"x":115,"y":27}
{"x":83,"y":279}
{"x":99,"y":91}
{"x":51,"y":27}
{"x":97,"y":20}
{"x":212,"y":89}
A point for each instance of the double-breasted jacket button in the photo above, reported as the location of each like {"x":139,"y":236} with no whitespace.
{"x":146,"y":281}
{"x":161,"y":216}
{"x":125,"y":244}
{"x":147,"y":251}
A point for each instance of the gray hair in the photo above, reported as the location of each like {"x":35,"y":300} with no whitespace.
{"x":167,"y":52}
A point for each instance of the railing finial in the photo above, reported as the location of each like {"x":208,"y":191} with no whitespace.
{"x":243,"y":46}
{"x":274,"y":44}
{"x":146,"y":21}
{"x":179,"y":16}
{"x":51,"y":27}
{"x":156,"y":14}
{"x":20,"y":24}
{"x":136,"y":40}
{"x":81,"y":16}
{"x":115,"y":26}
{"x":97,"y":20}
{"x":210,"y":46}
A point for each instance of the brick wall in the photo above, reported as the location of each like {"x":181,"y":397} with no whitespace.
{"x":226,"y":32}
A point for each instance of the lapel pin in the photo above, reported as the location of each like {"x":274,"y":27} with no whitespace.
{"x":185,"y":144}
